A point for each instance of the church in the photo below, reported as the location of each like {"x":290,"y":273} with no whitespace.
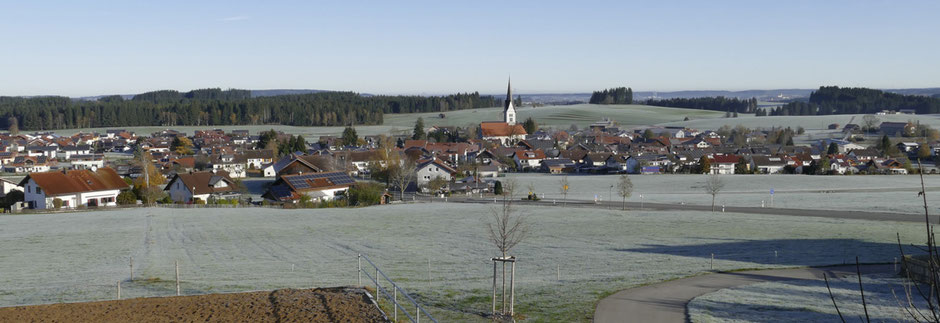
{"x":507,"y":131}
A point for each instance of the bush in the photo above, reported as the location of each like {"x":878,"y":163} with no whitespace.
{"x":498,"y":188}
{"x":199,"y":201}
{"x":57,"y":203}
{"x":127,"y":198}
{"x":167,"y":200}
{"x":365,"y":194}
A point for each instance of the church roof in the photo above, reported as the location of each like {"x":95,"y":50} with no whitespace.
{"x":501,"y":129}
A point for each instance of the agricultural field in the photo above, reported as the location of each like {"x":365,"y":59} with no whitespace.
{"x":554,"y":116}
{"x":569,"y":261}
{"x":806,"y":301}
{"x":862,"y":193}
{"x":807,"y":122}
{"x":561,"y":116}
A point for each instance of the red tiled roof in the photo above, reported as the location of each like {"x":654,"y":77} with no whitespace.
{"x":501,"y":129}
{"x":75,"y":181}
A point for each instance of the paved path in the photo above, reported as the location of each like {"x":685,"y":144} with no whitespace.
{"x":858,"y":215}
{"x":666,"y":302}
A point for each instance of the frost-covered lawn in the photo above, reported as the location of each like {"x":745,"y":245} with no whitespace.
{"x":862,"y":193}
{"x":81,"y":256}
{"x":806,"y":301}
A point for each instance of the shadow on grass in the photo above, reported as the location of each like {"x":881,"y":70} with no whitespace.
{"x":785,"y":252}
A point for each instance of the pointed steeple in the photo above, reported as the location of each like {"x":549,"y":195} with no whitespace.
{"x":509,"y":89}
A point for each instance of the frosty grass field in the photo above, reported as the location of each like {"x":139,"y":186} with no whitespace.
{"x":862,"y":193}
{"x":81,"y":256}
{"x":556,"y":116}
{"x":806,"y":301}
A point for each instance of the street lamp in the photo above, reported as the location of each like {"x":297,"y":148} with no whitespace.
{"x":610,"y":195}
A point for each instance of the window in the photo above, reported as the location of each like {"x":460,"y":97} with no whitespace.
{"x":38,"y":190}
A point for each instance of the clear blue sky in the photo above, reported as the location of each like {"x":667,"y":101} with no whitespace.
{"x":79,"y":48}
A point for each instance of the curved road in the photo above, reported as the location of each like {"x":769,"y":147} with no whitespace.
{"x":666,"y":302}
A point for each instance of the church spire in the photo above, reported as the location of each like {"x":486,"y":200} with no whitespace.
{"x":509,"y":89}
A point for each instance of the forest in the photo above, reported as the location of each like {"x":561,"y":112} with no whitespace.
{"x":213,"y":107}
{"x":718,"y":103}
{"x":836,"y":100}
{"x":620,"y":95}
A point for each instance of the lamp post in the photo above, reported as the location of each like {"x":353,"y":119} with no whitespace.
{"x":610,"y":195}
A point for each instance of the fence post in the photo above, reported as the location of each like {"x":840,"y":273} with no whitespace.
{"x":360,"y":269}
{"x":132,"y":268}
{"x":119,"y":290}
{"x":512,"y":288}
{"x":395,"y":303}
{"x":376,"y":283}
{"x":417,"y":313}
{"x":177,"y":278}
{"x":429,"y":273}
{"x":494,"y":288}
{"x":711,"y":263}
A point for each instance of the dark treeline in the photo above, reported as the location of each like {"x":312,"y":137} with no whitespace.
{"x":620,"y":95}
{"x":836,"y":100}
{"x":215,"y":107}
{"x":718,"y":103}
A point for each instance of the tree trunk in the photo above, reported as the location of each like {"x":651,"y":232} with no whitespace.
{"x":623,"y":204}
{"x":713,"y":202}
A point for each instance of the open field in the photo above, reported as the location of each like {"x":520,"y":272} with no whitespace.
{"x":807,"y":122}
{"x":862,"y":193}
{"x":558,"y":116}
{"x":561,"y":116}
{"x":805,"y":301}
{"x":570,"y":260}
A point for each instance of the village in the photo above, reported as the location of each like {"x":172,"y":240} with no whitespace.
{"x":120,"y":167}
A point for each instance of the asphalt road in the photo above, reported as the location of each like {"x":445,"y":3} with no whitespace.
{"x":859,"y":215}
{"x":666,"y":302}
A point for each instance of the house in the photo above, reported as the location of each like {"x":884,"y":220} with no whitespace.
{"x":528,"y":159}
{"x":431,"y":169}
{"x":896,"y":129}
{"x":73,"y":188}
{"x":29,"y":164}
{"x":6,"y":186}
{"x":557,"y":166}
{"x":185,"y":187}
{"x":91,"y":161}
{"x":255,"y":159}
{"x":767,"y":164}
{"x":723,"y":164}
{"x":321,"y":186}
{"x":296,"y":163}
{"x":69,"y":151}
{"x":908,"y":147}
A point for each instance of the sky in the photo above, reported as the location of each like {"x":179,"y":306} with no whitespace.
{"x":84,"y":48}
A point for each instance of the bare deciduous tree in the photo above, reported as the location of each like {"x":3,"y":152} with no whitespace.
{"x":625,"y":189}
{"x":870,"y":122}
{"x":507,"y":228}
{"x":712,"y":186}
{"x":401,"y":174}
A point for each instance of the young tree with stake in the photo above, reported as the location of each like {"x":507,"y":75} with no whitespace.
{"x":564,"y":188}
{"x":506,"y":229}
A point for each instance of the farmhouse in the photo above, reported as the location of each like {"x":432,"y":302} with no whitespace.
{"x":29,"y":164}
{"x":73,"y":188}
{"x":317,"y":186}
{"x":185,"y":187}
{"x":724,"y":164}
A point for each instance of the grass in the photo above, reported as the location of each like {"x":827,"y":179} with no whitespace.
{"x":556,"y":116}
{"x":232,"y":250}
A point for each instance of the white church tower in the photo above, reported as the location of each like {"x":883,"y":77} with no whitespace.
{"x":509,"y":113}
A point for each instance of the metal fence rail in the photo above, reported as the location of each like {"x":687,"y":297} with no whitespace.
{"x":382,"y":291}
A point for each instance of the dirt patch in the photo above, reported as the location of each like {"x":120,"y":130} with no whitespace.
{"x":283,"y":305}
